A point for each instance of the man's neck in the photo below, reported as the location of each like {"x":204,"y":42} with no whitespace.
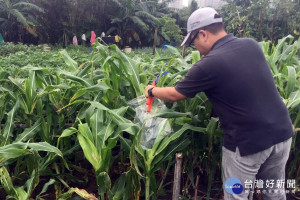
{"x":216,"y":37}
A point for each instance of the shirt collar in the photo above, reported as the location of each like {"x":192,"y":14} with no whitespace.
{"x":222,"y":41}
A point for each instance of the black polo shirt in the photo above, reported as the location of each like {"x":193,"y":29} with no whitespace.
{"x":237,"y":80}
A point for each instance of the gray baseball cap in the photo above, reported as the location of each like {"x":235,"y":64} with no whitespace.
{"x":200,"y":18}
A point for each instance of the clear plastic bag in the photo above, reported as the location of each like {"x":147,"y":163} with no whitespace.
{"x":150,"y":125}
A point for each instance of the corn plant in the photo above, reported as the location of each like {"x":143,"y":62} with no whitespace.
{"x":283,"y":59}
{"x":98,"y":137}
{"x":35,"y":164}
{"x":161,"y":151}
{"x":49,"y":115}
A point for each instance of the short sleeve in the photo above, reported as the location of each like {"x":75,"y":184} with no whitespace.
{"x":196,"y":80}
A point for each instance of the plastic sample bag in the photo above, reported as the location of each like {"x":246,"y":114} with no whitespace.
{"x":150,"y":125}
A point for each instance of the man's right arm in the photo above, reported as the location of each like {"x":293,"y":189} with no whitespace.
{"x":169,"y":94}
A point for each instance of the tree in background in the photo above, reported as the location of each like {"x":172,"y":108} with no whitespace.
{"x":158,"y":10}
{"x":169,"y":30}
{"x":52,"y":21}
{"x":182,"y":15}
{"x":134,"y":21}
{"x":262,"y":19}
{"x":71,"y":17}
{"x":16,"y":18}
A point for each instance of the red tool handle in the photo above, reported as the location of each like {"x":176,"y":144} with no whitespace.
{"x":150,"y":100}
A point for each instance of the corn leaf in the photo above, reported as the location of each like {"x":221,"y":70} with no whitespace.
{"x":45,"y":188}
{"x":294,"y":100}
{"x":18,"y":83}
{"x":9,"y":124}
{"x":118,"y":190}
{"x":96,"y":124}
{"x":85,"y":131}
{"x":32,"y":68}
{"x":66,"y":133}
{"x":30,"y":91}
{"x":100,"y":87}
{"x":171,"y":150}
{"x":44,"y":146}
{"x":29,"y":132}
{"x":195,"y":56}
{"x":114,"y":113}
{"x":173,"y":51}
{"x":88,"y":147}
{"x":164,"y":143}
{"x":278,"y":49}
{"x":131,"y":69}
{"x":103,"y":182}
{"x":72,"y":64}
{"x":130,"y":128}
{"x":162,"y":133}
{"x":105,"y":133}
{"x":32,"y":182}
{"x":82,"y":193}
{"x":169,"y":113}
{"x":9,"y":91}
{"x":211,"y":127}
{"x":14,"y":150}
{"x":291,"y":80}
{"x":6,"y":182}
{"x":72,"y":77}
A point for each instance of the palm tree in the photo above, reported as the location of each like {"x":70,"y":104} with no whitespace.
{"x":132,"y":20}
{"x":17,"y":14}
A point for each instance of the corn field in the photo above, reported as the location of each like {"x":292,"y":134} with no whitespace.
{"x":65,"y":128}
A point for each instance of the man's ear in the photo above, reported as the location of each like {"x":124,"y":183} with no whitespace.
{"x":203,"y":33}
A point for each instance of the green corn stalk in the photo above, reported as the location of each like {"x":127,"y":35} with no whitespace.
{"x":280,"y":56}
{"x":13,"y":193}
{"x":283,"y":59}
{"x":12,"y":151}
{"x":153,"y":157}
{"x":98,"y":137}
{"x":9,"y":154}
{"x":212,"y":153}
{"x":98,"y":90}
{"x":120,"y":66}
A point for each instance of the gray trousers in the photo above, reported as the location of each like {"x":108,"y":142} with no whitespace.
{"x":264,"y":170}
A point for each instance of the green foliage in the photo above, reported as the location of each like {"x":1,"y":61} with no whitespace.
{"x":169,"y":29}
{"x":8,"y":48}
{"x":69,"y":17}
{"x":132,"y":21}
{"x":16,"y":56}
{"x":262,"y":19}
{"x":15,"y":14}
{"x":66,"y":119}
{"x":285,"y":65}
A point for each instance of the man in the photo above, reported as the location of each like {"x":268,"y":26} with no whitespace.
{"x":237,"y":80}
